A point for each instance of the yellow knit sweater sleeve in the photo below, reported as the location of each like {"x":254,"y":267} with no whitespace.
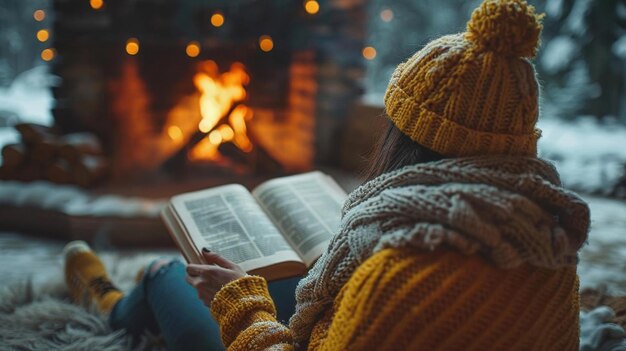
{"x":247,"y":317}
{"x":400,"y":300}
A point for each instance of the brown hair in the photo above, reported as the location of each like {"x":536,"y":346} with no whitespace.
{"x":394,"y":150}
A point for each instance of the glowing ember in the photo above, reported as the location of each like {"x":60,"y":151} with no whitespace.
{"x":218,"y":94}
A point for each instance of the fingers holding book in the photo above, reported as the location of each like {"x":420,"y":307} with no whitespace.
{"x":209,"y":278}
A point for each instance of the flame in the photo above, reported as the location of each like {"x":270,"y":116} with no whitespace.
{"x":237,"y":119}
{"x":218,"y":93}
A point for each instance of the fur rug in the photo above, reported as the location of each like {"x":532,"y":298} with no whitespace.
{"x":41,"y":316}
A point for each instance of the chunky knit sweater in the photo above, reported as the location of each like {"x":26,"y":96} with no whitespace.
{"x":478,"y":252}
{"x":401,"y":300}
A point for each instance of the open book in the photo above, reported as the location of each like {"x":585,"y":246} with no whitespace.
{"x":277,"y":231}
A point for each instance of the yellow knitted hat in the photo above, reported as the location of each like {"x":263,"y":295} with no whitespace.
{"x":473,"y":93}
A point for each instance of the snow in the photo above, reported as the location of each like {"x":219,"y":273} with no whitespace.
{"x":603,"y":258}
{"x":29,"y":96}
{"x":597,"y":332}
{"x":590,"y":156}
{"x":74,"y":201}
{"x":27,"y":99}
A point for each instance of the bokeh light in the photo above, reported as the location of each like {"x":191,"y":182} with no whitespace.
{"x":193,"y":49}
{"x":132,"y":46}
{"x":266,"y":43}
{"x":217,"y":20}
{"x":312,"y":7}
{"x":369,"y":52}
{"x":43,"y":35}
{"x":96,"y":4}
{"x":386,"y":15}
{"x":39,"y":15}
{"x":48,"y":54}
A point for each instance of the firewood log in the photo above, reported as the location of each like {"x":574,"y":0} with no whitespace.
{"x":89,"y":170}
{"x":60,"y":172}
{"x":27,"y":172}
{"x":33,"y":133}
{"x":74,"y":146}
{"x":234,"y":153}
{"x":13,"y":155}
{"x":45,"y":151}
{"x":180,"y":158}
{"x":5,"y":173}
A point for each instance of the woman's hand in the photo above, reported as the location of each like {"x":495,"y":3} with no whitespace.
{"x":209,"y":278}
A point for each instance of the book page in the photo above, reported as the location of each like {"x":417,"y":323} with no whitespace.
{"x":227,"y":220}
{"x":306,"y":208}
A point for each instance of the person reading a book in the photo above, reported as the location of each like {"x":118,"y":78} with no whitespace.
{"x":462,"y":238}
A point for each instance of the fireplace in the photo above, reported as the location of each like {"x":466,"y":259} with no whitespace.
{"x":222,"y":86}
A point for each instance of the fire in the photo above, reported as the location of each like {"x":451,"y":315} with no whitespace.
{"x":218,"y":94}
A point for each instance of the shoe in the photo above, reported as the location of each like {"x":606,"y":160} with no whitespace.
{"x":87,"y":279}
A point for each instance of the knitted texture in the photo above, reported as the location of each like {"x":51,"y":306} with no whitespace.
{"x":247,"y":316}
{"x":400,"y":300}
{"x":510,"y":210}
{"x":473,"y":93}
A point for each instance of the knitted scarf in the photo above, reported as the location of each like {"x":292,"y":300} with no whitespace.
{"x":510,"y":210}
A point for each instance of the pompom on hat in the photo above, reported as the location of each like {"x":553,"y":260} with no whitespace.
{"x":473,"y":93}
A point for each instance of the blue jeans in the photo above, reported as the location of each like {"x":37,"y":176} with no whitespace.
{"x":164,"y":303}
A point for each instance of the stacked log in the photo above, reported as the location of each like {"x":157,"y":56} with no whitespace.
{"x":75,"y":158}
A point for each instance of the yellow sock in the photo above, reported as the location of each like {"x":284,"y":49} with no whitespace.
{"x":87,"y":278}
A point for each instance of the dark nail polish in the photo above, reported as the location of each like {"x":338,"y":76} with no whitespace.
{"x":204,"y":249}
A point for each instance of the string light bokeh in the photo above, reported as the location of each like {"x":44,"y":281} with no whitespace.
{"x":96,"y":4}
{"x":217,"y":20}
{"x":132,"y":46}
{"x":369,"y":52}
{"x":266,"y":43}
{"x":386,"y":15}
{"x":193,"y":49}
{"x":311,"y":7}
{"x":48,"y":54}
{"x":43,"y":35}
{"x":39,"y":15}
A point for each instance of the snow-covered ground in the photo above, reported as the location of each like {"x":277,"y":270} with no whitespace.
{"x":29,"y":96}
{"x":603,"y":258}
{"x":27,"y":99}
